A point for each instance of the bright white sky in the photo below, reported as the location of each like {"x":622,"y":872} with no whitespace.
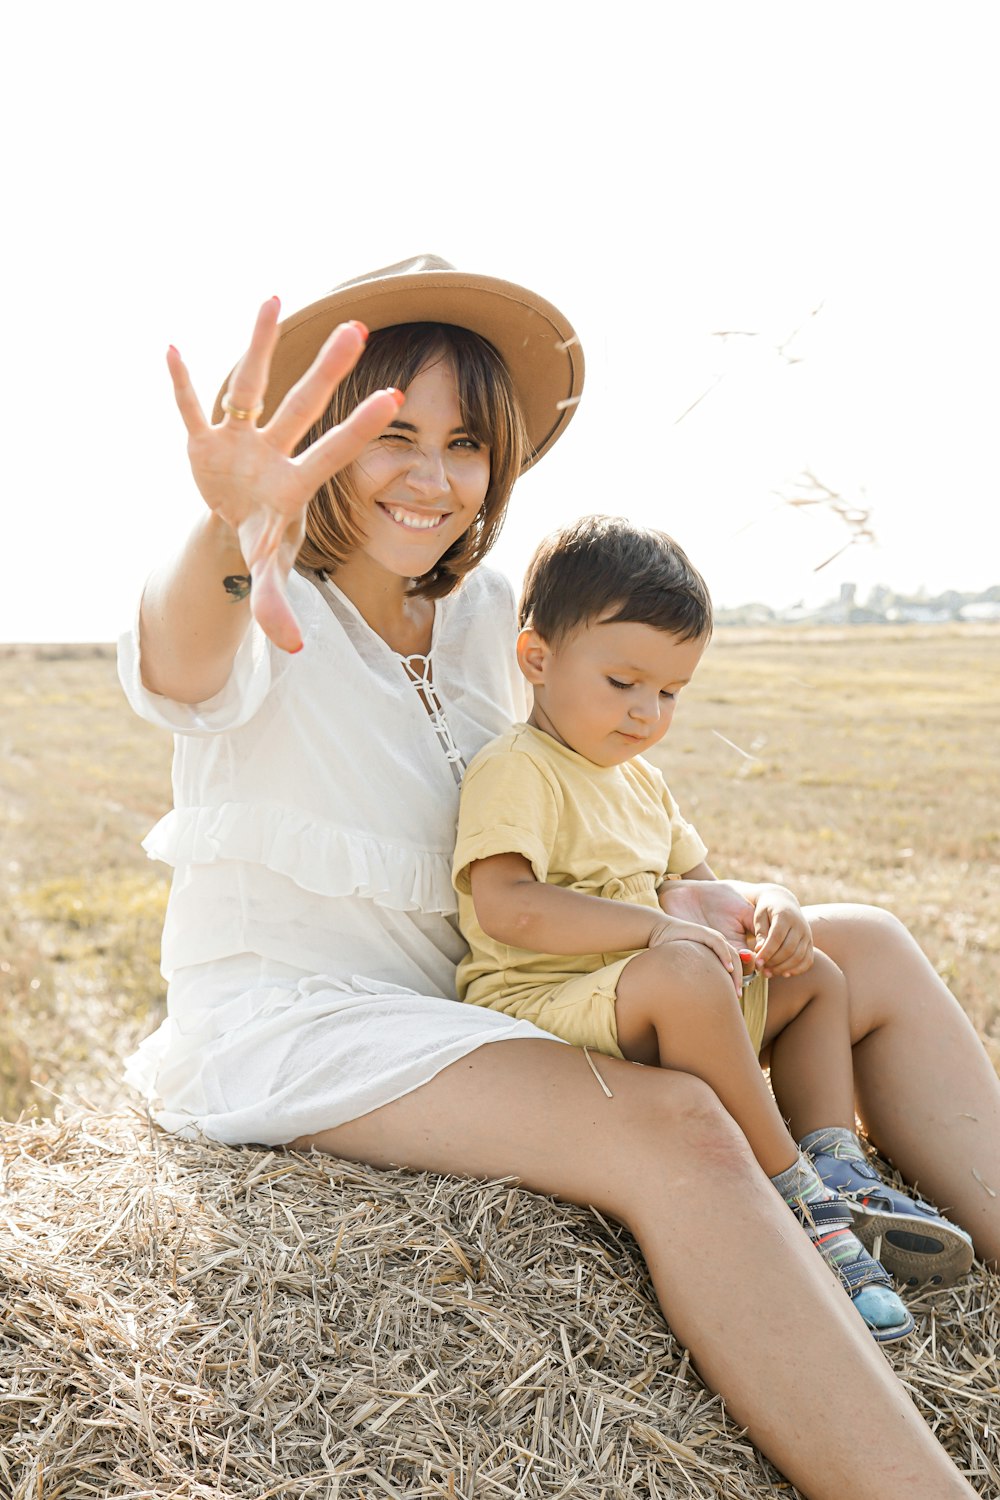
{"x":658,"y":172}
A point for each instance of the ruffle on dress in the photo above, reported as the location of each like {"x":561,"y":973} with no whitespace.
{"x":320,"y":857}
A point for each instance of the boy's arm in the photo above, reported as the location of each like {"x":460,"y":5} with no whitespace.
{"x":767,"y":912}
{"x":513,"y":907}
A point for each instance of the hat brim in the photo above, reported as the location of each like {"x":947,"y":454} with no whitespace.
{"x":535,"y":341}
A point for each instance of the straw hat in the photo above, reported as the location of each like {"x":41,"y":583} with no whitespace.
{"x":537,"y":344}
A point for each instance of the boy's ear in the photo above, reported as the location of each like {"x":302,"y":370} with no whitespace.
{"x":532,"y":655}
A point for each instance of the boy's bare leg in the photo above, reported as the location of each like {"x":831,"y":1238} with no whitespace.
{"x":676,"y":1004}
{"x":927,"y":1093}
{"x":807,"y":1045}
{"x":676,"y":1007}
{"x":765,"y":1321}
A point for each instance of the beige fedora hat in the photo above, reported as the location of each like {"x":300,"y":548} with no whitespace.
{"x":535,"y":341}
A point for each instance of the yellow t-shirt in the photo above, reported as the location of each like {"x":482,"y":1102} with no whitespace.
{"x":611,"y":831}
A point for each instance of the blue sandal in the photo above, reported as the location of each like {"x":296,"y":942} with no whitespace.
{"x":865,"y":1281}
{"x":915,"y":1242}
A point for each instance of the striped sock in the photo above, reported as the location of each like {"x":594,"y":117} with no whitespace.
{"x":800,"y":1185}
{"x":826,"y":1219}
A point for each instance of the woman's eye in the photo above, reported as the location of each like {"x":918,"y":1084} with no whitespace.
{"x":394,"y":437}
{"x":468,"y":443}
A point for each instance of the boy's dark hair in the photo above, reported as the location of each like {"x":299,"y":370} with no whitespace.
{"x":604,"y":567}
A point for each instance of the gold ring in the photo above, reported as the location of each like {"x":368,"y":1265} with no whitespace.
{"x":241,"y":413}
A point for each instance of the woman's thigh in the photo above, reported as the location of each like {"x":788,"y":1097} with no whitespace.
{"x":586,"y":1131}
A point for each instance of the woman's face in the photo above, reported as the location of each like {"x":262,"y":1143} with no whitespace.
{"x":419,"y":485}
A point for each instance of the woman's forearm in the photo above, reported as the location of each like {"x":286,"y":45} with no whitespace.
{"x":195,"y":612}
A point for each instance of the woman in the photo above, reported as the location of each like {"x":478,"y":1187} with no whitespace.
{"x":308,"y":937}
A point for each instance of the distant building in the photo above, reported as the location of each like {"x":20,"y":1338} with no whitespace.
{"x":883,"y":607}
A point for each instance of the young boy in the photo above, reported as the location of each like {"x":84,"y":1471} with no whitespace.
{"x":566,"y":836}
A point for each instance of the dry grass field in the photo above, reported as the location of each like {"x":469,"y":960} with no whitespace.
{"x":856,"y":764}
{"x":180,"y":1321}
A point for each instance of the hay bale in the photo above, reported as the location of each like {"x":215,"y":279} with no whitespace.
{"x":200,"y":1323}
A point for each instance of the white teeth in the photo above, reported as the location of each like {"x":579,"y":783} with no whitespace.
{"x":415,"y":523}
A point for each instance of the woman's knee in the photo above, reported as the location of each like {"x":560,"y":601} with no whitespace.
{"x":684,"y":1115}
{"x":849,"y":930}
{"x":876,"y":919}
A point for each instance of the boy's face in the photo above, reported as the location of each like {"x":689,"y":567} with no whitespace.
{"x":609,"y":689}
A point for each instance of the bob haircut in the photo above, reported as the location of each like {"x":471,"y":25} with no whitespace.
{"x":490,"y":412}
{"x":603,"y":568}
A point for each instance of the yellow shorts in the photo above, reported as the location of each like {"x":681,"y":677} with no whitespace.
{"x":581,"y":1010}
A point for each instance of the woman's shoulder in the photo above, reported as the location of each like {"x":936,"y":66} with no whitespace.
{"x":481,"y":616}
{"x":485,"y":588}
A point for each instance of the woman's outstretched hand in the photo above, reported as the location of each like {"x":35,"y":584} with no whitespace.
{"x":247,"y":474}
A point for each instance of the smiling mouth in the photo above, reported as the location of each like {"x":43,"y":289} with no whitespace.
{"x":411,"y":520}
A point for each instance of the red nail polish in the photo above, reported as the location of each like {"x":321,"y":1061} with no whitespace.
{"x":296,"y":649}
{"x":398,"y":396}
{"x":355,"y":323}
{"x":276,"y":299}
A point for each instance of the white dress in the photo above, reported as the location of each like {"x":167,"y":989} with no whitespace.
{"x":310,"y":941}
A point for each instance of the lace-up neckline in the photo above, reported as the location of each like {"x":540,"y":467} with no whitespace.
{"x":417,"y":667}
{"x":419,"y":670}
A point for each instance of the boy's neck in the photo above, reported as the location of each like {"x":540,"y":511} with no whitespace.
{"x":538,"y":719}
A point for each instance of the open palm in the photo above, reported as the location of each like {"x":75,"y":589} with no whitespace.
{"x":249,"y":476}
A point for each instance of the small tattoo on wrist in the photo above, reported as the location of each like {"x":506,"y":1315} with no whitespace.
{"x":237,"y":586}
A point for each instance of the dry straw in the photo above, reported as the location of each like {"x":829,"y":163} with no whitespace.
{"x":190,"y":1322}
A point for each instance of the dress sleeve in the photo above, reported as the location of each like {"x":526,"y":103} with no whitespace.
{"x":508,"y":806}
{"x":235,"y":704}
{"x":686,"y":847}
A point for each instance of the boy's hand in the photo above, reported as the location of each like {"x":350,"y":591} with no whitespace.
{"x":673,"y":931}
{"x":784,"y":944}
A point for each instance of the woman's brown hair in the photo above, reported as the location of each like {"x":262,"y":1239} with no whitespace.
{"x":490,"y":413}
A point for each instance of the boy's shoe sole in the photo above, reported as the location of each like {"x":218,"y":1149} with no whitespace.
{"x":910,"y":1237}
{"x":916,"y":1252}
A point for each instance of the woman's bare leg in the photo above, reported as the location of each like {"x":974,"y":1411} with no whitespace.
{"x":768,"y":1325}
{"x":927,"y":1093}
